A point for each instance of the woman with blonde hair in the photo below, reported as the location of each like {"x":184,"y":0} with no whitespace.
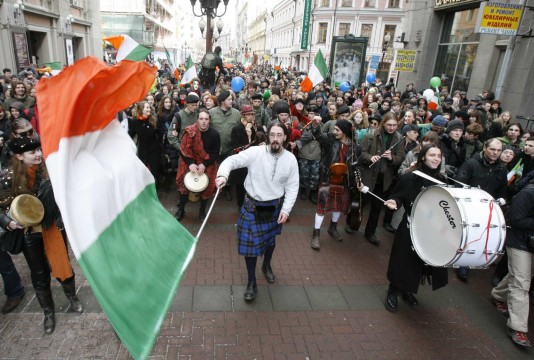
{"x":497,"y":126}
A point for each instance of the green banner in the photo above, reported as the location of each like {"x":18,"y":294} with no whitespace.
{"x":306,"y":25}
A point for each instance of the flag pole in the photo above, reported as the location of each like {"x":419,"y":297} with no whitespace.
{"x":208,"y":214}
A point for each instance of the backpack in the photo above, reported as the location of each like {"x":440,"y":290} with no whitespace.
{"x":209,"y":61}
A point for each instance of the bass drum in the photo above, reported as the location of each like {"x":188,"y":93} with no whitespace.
{"x":455,"y":227}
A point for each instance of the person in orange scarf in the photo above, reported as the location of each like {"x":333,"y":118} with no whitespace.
{"x":199,"y":149}
{"x":44,"y":245}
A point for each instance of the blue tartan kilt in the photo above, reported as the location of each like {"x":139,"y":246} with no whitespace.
{"x":253,"y":237}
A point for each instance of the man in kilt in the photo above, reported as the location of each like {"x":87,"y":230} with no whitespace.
{"x":199,"y":149}
{"x":272,"y":185}
{"x":334,"y":188}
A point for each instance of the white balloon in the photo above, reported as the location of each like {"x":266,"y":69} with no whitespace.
{"x":428,"y":94}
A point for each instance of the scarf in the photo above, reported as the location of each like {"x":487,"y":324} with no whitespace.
{"x":54,"y":243}
{"x":192,"y":145}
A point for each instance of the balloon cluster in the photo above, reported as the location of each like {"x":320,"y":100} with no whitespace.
{"x":430,"y":95}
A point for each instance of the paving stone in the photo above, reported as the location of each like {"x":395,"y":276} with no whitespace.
{"x":183,"y":301}
{"x":362,"y":297}
{"x":88,"y":299}
{"x":326,"y":298}
{"x":262,"y":302}
{"x":289,"y":298}
{"x":212,"y":298}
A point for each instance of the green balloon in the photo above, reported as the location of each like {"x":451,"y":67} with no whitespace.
{"x":266,"y":95}
{"x":337,"y":83}
{"x":435,"y":82}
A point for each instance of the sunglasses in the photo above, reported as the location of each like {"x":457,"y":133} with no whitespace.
{"x":27,"y":133}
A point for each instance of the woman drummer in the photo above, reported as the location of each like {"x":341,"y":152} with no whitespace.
{"x":406,"y":270}
{"x":44,"y":244}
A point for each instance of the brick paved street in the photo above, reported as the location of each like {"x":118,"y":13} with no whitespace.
{"x":323,"y":305}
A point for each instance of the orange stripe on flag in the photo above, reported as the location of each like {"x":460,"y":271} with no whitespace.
{"x":115,"y":41}
{"x":306,"y":85}
{"x":86,"y":96}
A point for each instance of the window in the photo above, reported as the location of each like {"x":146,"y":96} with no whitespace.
{"x":369,"y":3}
{"x":323,"y":27}
{"x":325,"y":3}
{"x":393,"y":4}
{"x":344,"y":29}
{"x":457,"y":50}
{"x":367,"y":30}
{"x":346,"y":3}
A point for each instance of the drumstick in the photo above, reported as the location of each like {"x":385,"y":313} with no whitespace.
{"x":208,"y":214}
{"x":365,"y":190}
{"x":428,"y":177}
{"x":456,"y":181}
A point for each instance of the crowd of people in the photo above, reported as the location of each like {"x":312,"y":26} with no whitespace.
{"x":269,"y":143}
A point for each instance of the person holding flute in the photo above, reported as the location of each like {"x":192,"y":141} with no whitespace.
{"x":382,"y":154}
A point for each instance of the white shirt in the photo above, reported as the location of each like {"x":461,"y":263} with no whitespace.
{"x":269,"y":176}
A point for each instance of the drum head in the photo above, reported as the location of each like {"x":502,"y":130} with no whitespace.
{"x":436,"y":225}
{"x":27,"y":210}
{"x":195,"y":182}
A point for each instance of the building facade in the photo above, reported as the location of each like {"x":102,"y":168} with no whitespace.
{"x":372,"y":19}
{"x":447,"y":45}
{"x":39,"y":32}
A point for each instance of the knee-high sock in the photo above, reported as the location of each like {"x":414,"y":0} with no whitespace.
{"x":335,"y":216}
{"x":268,"y":255}
{"x":251,"y":267}
{"x":318,"y":221}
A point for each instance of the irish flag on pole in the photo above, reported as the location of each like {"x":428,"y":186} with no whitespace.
{"x":128,"y":48}
{"x":131,"y":250}
{"x":316,"y":74}
{"x":190,"y":72}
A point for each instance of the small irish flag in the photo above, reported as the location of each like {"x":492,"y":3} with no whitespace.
{"x":190,"y":72}
{"x":55,"y":67}
{"x":131,"y":250}
{"x":316,"y":74}
{"x":128,"y":48}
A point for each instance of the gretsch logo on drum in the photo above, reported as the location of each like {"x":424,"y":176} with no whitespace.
{"x":445,"y":206}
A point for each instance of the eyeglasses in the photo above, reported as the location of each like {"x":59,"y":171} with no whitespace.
{"x":27,"y":133}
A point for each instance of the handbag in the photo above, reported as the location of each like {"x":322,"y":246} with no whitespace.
{"x":12,"y":241}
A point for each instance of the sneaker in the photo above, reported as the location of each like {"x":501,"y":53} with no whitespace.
{"x":519,"y":337}
{"x":501,"y":306}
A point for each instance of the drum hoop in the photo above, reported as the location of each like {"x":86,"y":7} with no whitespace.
{"x":196,"y":179}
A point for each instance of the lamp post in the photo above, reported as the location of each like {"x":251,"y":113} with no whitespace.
{"x":385,"y":45}
{"x":209,"y":8}
{"x":18,"y":8}
{"x":245,"y":50}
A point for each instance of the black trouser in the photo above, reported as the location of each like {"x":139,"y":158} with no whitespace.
{"x":377,"y":206}
{"x":34,"y":253}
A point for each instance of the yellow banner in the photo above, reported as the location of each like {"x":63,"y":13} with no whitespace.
{"x":405,"y":60}
{"x":499,"y":18}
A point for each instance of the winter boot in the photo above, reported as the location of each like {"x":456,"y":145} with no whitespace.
{"x":315,"y":239}
{"x":70,"y":293}
{"x":47,"y":304}
{"x":332,"y":230}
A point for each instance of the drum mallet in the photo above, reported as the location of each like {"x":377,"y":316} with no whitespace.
{"x":365,"y":190}
{"x":208,"y":214}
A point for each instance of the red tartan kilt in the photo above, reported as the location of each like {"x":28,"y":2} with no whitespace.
{"x":337,"y":201}
{"x":211,"y":171}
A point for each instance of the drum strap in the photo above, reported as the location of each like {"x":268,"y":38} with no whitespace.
{"x":486,"y":230}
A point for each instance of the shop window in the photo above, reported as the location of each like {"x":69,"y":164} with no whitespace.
{"x":457,"y":50}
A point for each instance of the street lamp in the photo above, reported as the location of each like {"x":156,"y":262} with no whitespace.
{"x":184,"y":50}
{"x":19,"y":8}
{"x":385,"y":45}
{"x":210,"y":33}
{"x":245,"y":50}
{"x":209,"y":9}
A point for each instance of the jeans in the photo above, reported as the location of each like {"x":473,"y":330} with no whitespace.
{"x":12,"y":284}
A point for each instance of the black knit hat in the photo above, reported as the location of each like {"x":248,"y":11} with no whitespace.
{"x":257,"y":96}
{"x":454,"y":124}
{"x":23,"y":144}
{"x":345,"y":126}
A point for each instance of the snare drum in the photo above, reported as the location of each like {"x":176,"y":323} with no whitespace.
{"x":195,"y":183}
{"x":457,"y":227}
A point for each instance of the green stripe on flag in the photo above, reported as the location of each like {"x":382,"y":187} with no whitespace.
{"x":320,"y":63}
{"x":139,"y":53}
{"x":54,"y":65}
{"x":135,"y":255}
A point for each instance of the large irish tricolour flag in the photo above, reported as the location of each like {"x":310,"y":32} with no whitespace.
{"x":131,"y":250}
